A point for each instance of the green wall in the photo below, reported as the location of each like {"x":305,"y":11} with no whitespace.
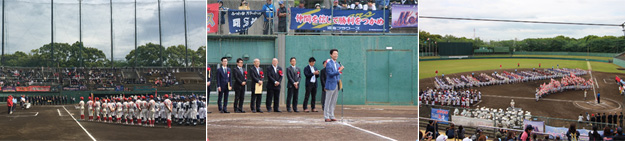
{"x":261,"y":47}
{"x":353,"y":53}
{"x":565,"y":53}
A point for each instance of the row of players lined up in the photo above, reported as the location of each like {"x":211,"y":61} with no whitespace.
{"x":145,"y":111}
{"x":454,"y":98}
{"x":483,"y":79}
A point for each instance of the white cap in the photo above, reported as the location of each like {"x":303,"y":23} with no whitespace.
{"x":441,"y":138}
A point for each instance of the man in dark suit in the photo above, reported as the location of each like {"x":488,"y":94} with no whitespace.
{"x":257,"y":79}
{"x":208,"y":85}
{"x":609,"y":118}
{"x":239,"y":86}
{"x":311,"y":74}
{"x":604,"y":119}
{"x":273,"y":88}
{"x":293,"y":75}
{"x":323,"y":78}
{"x":223,"y":81}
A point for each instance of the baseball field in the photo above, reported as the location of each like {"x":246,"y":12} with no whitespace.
{"x":427,"y":69}
{"x":61,"y":122}
{"x":360,"y":122}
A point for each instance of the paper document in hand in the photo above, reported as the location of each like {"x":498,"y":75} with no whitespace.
{"x":259,"y":89}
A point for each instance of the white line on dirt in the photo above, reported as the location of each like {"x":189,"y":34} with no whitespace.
{"x":593,"y":86}
{"x":369,"y":132}
{"x":83,"y":128}
{"x":59,"y":111}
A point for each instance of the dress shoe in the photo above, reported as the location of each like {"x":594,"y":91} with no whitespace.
{"x":241,"y":111}
{"x":277,"y":111}
{"x":314,"y":110}
{"x":221,"y":111}
{"x":333,"y":119}
{"x":253,"y":111}
{"x":296,"y":111}
{"x":261,"y":111}
{"x":288,"y":110}
{"x":226,"y":112}
{"x":209,"y":112}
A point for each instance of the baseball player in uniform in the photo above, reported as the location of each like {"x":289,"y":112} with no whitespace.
{"x":187,"y":109}
{"x":131,"y":110}
{"x":175,"y":106}
{"x":120,"y":110}
{"x":168,"y":109}
{"x":81,"y":104}
{"x":202,"y":110}
{"x":152,"y":110}
{"x":90,"y":108}
{"x":111,"y":110}
{"x":162,"y":116}
{"x":97,"y":108}
{"x":193,"y":110}
{"x":181,"y":110}
{"x":144,"y":110}
{"x":126,"y":110}
{"x":104,"y":110}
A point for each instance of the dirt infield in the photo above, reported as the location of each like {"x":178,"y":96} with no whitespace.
{"x":54,"y":123}
{"x":360,"y":123}
{"x":567,"y":105}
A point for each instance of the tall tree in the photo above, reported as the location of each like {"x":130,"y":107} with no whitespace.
{"x":147,"y":55}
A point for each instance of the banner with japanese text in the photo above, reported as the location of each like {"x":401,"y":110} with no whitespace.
{"x":212,"y":17}
{"x":343,"y":20}
{"x":241,"y":20}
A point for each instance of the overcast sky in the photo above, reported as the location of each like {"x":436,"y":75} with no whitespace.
{"x":579,"y":11}
{"x":28,"y":24}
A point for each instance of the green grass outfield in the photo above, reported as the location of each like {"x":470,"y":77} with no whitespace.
{"x":555,"y":56}
{"x":427,"y":68}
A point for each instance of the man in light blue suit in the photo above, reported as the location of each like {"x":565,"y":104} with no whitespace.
{"x":334,"y":71}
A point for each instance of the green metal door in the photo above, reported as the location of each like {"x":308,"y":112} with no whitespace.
{"x":400,"y":77}
{"x":377,"y":74}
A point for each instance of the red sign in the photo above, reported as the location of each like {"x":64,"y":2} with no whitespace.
{"x":212,"y":17}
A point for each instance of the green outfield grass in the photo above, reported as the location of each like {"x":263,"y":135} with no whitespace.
{"x":566,"y":56}
{"x":427,"y":68}
{"x":555,"y":56}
